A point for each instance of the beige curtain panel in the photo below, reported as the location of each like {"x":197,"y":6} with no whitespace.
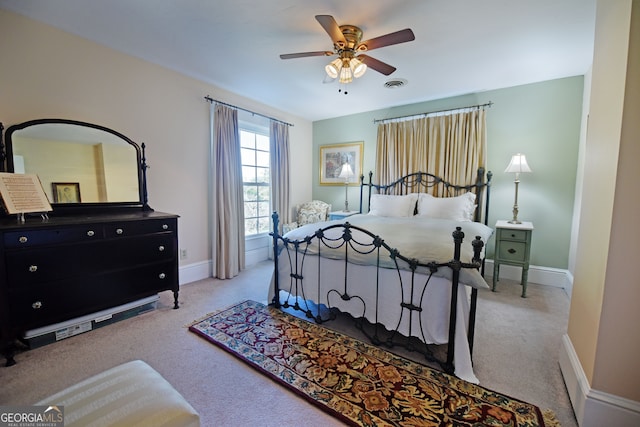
{"x":279,"y":166}
{"x":452,"y":146}
{"x":227,"y":204}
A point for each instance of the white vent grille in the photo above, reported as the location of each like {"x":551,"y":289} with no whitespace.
{"x":395,"y":83}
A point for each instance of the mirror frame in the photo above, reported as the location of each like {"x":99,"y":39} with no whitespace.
{"x":82,"y":206}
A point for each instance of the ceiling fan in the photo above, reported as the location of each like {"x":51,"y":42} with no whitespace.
{"x":347,"y":44}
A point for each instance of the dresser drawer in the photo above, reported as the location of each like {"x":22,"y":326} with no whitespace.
{"x":31,"y":238}
{"x":55,"y":301}
{"x":518,"y":235}
{"x":512,"y":251}
{"x":48,"y":264}
{"x":146,"y":280}
{"x":136,"y":228}
{"x":43,"y":264}
{"x":34,"y":306}
{"x":139,"y":250}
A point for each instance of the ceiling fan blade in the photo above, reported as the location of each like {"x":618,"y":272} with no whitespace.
{"x":377,"y":65}
{"x":331,"y":27}
{"x":305,"y":54}
{"x":401,"y":36}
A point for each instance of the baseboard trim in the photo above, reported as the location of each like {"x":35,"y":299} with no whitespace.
{"x":194,"y":272}
{"x":542,"y":275}
{"x":593,"y":408}
{"x":204,"y":269}
{"x":548,"y":276}
{"x":574,"y":377}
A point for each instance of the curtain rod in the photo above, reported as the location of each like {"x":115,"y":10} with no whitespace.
{"x":211,"y":100}
{"x":488,"y":104}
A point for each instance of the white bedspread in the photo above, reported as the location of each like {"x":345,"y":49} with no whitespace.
{"x":424,"y":239}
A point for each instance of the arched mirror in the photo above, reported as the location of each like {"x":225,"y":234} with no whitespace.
{"x":79,"y":164}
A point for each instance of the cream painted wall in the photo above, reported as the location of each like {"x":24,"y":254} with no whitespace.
{"x":616,"y":369}
{"x":603,"y":307}
{"x":48,"y":73}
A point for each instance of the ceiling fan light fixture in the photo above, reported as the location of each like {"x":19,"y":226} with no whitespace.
{"x":346,"y":75}
{"x":333,"y":68}
{"x":347,"y":43}
{"x":358,"y":68}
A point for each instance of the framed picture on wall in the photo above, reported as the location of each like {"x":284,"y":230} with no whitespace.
{"x":66,"y":192}
{"x":337,"y":159}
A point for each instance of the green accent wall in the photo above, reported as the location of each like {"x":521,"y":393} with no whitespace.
{"x":541,"y":120}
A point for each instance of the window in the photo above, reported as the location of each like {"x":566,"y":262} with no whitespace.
{"x":254,"y":147}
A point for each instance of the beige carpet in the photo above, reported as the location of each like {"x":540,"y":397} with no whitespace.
{"x":516,"y":353}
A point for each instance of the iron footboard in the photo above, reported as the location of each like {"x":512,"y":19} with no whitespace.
{"x":298,"y":253}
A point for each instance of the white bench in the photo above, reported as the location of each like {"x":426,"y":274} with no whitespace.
{"x":131,"y":394}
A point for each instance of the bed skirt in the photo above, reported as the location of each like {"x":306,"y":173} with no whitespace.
{"x":383,"y":306}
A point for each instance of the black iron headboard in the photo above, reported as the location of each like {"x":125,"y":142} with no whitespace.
{"x":423,"y":182}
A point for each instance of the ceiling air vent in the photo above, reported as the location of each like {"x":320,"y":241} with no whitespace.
{"x":395,"y":83}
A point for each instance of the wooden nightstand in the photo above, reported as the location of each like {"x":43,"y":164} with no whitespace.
{"x":341,"y":214}
{"x":513,"y":247}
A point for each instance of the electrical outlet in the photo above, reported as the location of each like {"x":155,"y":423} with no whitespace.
{"x":183,"y":254}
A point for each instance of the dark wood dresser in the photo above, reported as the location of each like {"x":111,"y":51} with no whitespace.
{"x":60,"y":268}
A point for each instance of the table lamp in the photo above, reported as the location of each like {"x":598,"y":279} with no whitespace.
{"x":346,"y":173}
{"x":517,"y":165}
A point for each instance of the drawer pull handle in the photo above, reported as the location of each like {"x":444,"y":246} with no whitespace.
{"x":165,"y":227}
{"x":162,"y":275}
{"x":91,"y":233}
{"x":23,"y":239}
{"x":513,"y":236}
{"x":36,"y":305}
{"x":161,"y":248}
{"x":33,"y":268}
{"x":512,"y":251}
{"x":119,"y":231}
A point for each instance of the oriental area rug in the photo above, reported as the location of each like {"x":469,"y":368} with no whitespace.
{"x":358,"y":383}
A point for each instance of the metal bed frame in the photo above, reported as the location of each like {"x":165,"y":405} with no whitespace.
{"x":295,"y":252}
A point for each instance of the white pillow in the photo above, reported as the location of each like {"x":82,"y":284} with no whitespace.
{"x":390,"y":205}
{"x":459,"y":208}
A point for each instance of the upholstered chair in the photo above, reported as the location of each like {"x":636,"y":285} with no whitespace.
{"x":313,"y":211}
{"x":309,"y":213}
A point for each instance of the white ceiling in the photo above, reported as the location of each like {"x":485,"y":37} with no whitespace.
{"x":461,"y":46}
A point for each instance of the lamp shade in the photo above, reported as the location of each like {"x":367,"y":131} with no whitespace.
{"x":333,"y":68}
{"x":346,"y":75}
{"x":358,"y":67}
{"x":518,"y":164}
{"x":346,"y":172}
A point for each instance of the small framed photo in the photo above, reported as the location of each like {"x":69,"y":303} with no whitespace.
{"x":341,"y":164}
{"x":66,"y":192}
